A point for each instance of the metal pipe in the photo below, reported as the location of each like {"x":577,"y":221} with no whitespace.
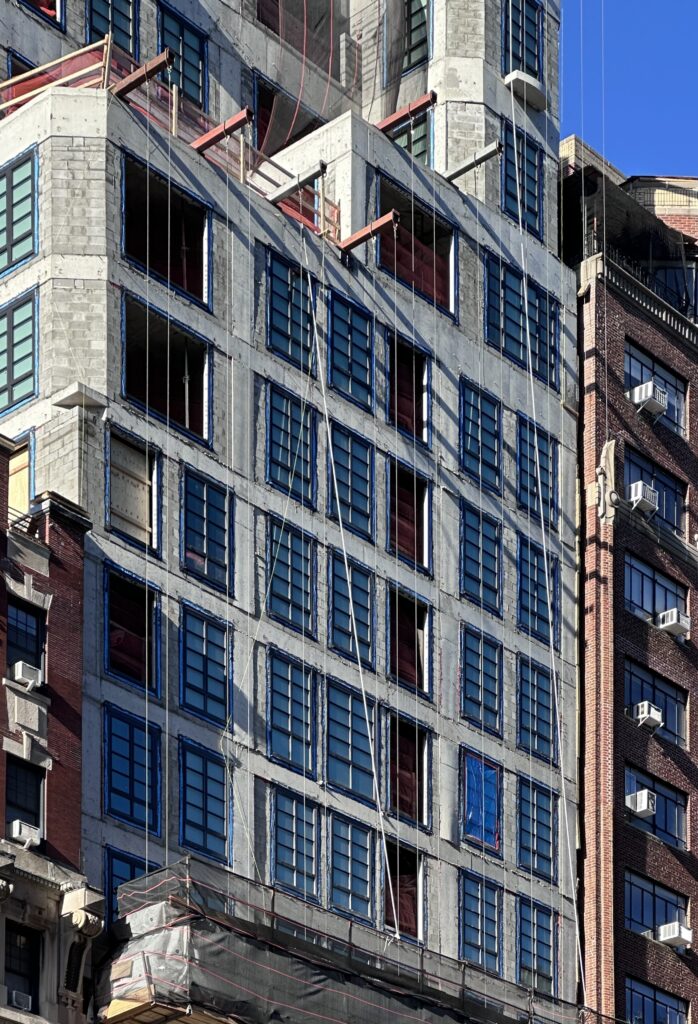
{"x":482,"y":155}
{"x":297,"y":183}
{"x":222,"y":130}
{"x":413,"y":109}
{"x":143,"y":74}
{"x":376,"y":227}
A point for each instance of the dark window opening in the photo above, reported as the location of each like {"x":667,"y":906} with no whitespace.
{"x":408,"y":388}
{"x":279,"y":119}
{"x":25,"y":633}
{"x":49,"y":8}
{"x":22,"y":965}
{"x":23,"y":786}
{"x":408,"y":514}
{"x":409,"y":622}
{"x":177,"y":253}
{"x":404,"y":870}
{"x":180,"y":398}
{"x":131,"y":647}
{"x":17,"y":65}
{"x":408,"y":751}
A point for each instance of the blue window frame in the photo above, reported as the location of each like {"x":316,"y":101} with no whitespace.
{"x":414,"y":137}
{"x":291,"y":728}
{"x":351,"y":890}
{"x":529,"y":158}
{"x":649,"y":905}
{"x":17,"y":211}
{"x":115,"y":16}
{"x":408,"y":373}
{"x":354,"y":468}
{"x":505,"y":323}
{"x":529,"y":436}
{"x":671,"y":491}
{"x":362,"y":593}
{"x":188,"y":72}
{"x":131,"y":629}
{"x":481,"y":557}
{"x":648,"y":591}
{"x":481,"y":688}
{"x":205,"y":666}
{"x":669,"y":820}
{"x":482,"y":801}
{"x":351,"y":351}
{"x":348,"y":747}
{"x":481,"y":435}
{"x":296,"y":844}
{"x":291,"y":445}
{"x":409,"y":514}
{"x":291,"y":572}
{"x":207,"y":530}
{"x":131,"y":769}
{"x":289,"y":312}
{"x":640,"y":367}
{"x":643,"y":684}
{"x":522,"y":47}
{"x":133,"y":489}
{"x":481,"y":922}
{"x":52,"y":11}
{"x":120,"y":868}
{"x":17,"y":351}
{"x":537,"y":952}
{"x":203,"y":814}
{"x":416,"y":34}
{"x":645,"y":1004}
{"x":533,"y":592}
{"x":537,"y":829}
{"x":536,"y":709}
{"x":408,"y":625}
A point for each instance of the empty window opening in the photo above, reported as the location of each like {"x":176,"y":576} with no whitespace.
{"x":25,"y":633}
{"x":132,"y":490}
{"x":408,"y":770}
{"x":409,"y":383}
{"x":23,"y":791}
{"x":177,"y":252}
{"x":18,"y":484}
{"x":51,"y":9}
{"x":17,"y":65}
{"x":405,"y":868}
{"x":409,"y":637}
{"x":180,"y":397}
{"x":22,"y":966}
{"x":279,"y":119}
{"x":131,"y":646}
{"x":421,"y":256}
{"x":409,"y":496}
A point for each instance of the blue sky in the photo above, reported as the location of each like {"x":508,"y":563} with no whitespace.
{"x":650,"y":98}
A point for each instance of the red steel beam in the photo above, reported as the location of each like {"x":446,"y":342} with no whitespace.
{"x":412,"y":109}
{"x":376,"y":227}
{"x":221,"y":131}
{"x":143,"y":74}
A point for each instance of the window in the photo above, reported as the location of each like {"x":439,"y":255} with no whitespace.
{"x":482,"y":923}
{"x":188,"y":72}
{"x":341,"y":627}
{"x":132,"y":769}
{"x":482,"y":801}
{"x":409,"y":499}
{"x":205,"y":675}
{"x":17,"y":64}
{"x":166,"y":231}
{"x":291,"y":570}
{"x":408,"y":770}
{"x":537,"y":959}
{"x":645,"y":1004}
{"x":481,"y":436}
{"x":207,"y":538}
{"x":17,"y":212}
{"x":529,"y":162}
{"x":289,"y":312}
{"x":408,"y":626}
{"x":649,"y":905}
{"x":481,"y":558}
{"x":166,"y":369}
{"x":296,"y":840}
{"x":422,"y":254}
{"x":24,"y":783}
{"x":643,"y":684}
{"x":132,"y":507}
{"x":505,"y":326}
{"x":23,"y":961}
{"x":535,"y":614}
{"x":203,"y":807}
{"x":530,"y":436}
{"x":17,"y":348}
{"x":291,"y":726}
{"x":408,"y":387}
{"x":671,"y":492}
{"x":351,"y":352}
{"x":523,"y":37}
{"x":120,"y":869}
{"x":280,"y":120}
{"x":405,"y":868}
{"x":132,"y":649}
{"x":353,"y":466}
{"x":481,"y":689}
{"x":648,"y":591}
{"x":669,"y":820}
{"x":640,"y":366}
{"x":291,"y":445}
{"x":20,"y":481}
{"x":50,"y":9}
{"x":115,"y":16}
{"x":413,"y":137}
{"x":416,"y":33}
{"x":350,"y":868}
{"x":536,"y":728}
{"x":348,"y":746}
{"x":25,"y":633}
{"x":537,"y":829}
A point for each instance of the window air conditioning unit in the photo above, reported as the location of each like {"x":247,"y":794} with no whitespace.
{"x":22,"y":832}
{"x":643,"y":497}
{"x":20,"y":1000}
{"x":675,"y":622}
{"x":642,"y":803}
{"x":23,"y":672}
{"x":649,"y":396}
{"x":674,"y":934}
{"x":648,"y":715}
